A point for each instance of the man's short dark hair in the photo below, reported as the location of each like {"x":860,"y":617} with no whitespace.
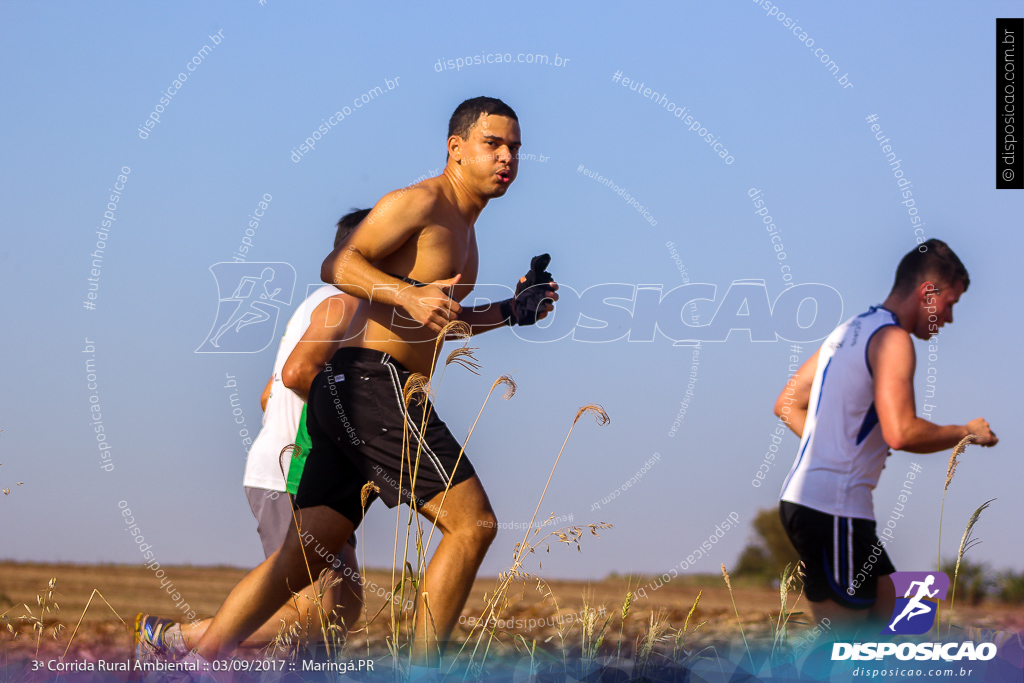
{"x":470,"y":111}
{"x":932,"y":260}
{"x":348,"y":223}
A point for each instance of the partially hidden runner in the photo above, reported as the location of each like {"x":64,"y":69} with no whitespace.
{"x":423,"y":234}
{"x":313,"y":334}
{"x":850,"y":403}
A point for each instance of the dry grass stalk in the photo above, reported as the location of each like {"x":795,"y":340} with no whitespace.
{"x":591,"y":641}
{"x":84,"y":611}
{"x":655,"y":631}
{"x":786,"y":584}
{"x":966,"y":543}
{"x":494,"y":607}
{"x":325,"y":623}
{"x":602,"y":419}
{"x":463,"y":356}
{"x":510,"y":391}
{"x":954,"y":460}
{"x":681,"y":633}
{"x":728,"y":584}
{"x":43,"y":601}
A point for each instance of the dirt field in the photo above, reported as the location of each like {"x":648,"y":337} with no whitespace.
{"x":131,"y":589}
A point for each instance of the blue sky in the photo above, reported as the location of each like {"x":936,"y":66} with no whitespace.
{"x":79,"y":81}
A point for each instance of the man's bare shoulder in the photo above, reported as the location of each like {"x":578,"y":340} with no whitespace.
{"x":414,"y":204}
{"x":891,"y":343}
{"x":892,"y":335}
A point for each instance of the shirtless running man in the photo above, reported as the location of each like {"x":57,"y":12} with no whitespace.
{"x":421,"y":234}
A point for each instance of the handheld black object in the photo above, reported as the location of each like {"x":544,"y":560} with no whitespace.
{"x":529,"y":297}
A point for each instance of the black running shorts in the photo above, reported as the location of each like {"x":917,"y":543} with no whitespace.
{"x":357,"y":421}
{"x":842,"y":556}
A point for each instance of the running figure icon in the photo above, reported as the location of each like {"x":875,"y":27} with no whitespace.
{"x":248,"y":303}
{"x":915,"y":607}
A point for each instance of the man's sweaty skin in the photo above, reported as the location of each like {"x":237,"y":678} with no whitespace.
{"x":893,"y":361}
{"x":426,"y":233}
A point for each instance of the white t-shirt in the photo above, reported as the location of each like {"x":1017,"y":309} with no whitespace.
{"x":284,"y":407}
{"x":842,"y":452}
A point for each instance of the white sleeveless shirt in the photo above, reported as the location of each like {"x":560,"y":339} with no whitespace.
{"x":842,"y":452}
{"x":284,"y":407}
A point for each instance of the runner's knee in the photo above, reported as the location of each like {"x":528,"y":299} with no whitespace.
{"x":486,"y":528}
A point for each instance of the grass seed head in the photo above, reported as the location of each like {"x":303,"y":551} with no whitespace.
{"x":510,"y":386}
{"x":456,"y":329}
{"x":364,"y":493}
{"x":464,"y":356}
{"x":417,"y":388}
{"x":597,"y":411}
{"x":296,"y":452}
{"x":954,"y":459}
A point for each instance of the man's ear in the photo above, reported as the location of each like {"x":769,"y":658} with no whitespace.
{"x":926,"y":291}
{"x":455,"y":149}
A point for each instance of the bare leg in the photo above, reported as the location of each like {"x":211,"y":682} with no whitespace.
{"x":881,"y":611}
{"x":850,"y":621}
{"x":346,"y":597}
{"x":468,"y":527}
{"x":838,"y":614}
{"x":266,"y":588}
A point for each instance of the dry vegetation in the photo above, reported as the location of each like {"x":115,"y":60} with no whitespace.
{"x":43,"y":608}
{"x":131,"y":589}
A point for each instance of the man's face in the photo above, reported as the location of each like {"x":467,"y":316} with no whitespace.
{"x":936,"y":299}
{"x":490,"y":157}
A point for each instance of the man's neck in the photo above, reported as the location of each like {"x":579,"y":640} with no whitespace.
{"x":459,"y":193}
{"x":905,"y":309}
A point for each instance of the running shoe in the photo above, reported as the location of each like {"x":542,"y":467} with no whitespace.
{"x":149,"y":637}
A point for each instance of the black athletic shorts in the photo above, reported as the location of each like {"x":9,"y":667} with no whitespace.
{"x":842,"y":556}
{"x":356,"y":419}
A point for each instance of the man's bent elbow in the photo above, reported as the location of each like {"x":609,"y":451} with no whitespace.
{"x":896,"y":441}
{"x":327,"y":271}
{"x":783,"y":407}
{"x":295,"y":376}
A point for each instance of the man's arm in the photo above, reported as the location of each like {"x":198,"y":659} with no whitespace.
{"x":484,"y":317}
{"x":327,"y":326}
{"x":396,"y":218}
{"x":796,"y":396}
{"x":488,"y":316}
{"x":892,"y":359}
{"x":266,"y":394}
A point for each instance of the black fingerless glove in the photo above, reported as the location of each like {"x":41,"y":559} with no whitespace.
{"x":528,"y":302}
